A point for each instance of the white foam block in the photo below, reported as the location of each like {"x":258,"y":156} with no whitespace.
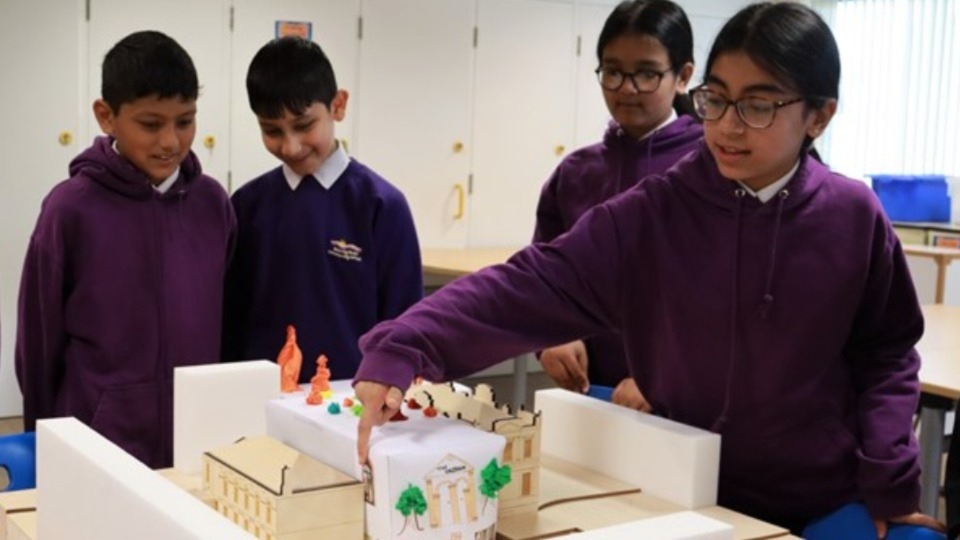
{"x":87,"y":487}
{"x":669,"y":460}
{"x":677,"y":526}
{"x":215,"y":405}
{"x":440,"y":457}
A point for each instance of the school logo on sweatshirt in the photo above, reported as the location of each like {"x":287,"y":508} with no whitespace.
{"x":345,"y":250}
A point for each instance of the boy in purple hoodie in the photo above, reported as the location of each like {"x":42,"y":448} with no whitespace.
{"x":759,"y":295}
{"x":645,"y":55}
{"x":124,"y":273}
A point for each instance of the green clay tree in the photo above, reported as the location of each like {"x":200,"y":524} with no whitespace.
{"x":412,"y":502}
{"x":494,"y":479}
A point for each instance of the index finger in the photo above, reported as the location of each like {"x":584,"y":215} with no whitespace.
{"x":579,"y":377}
{"x":373,"y":396}
{"x":364,"y":430}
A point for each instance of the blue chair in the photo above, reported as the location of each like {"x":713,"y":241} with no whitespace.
{"x":18,"y":455}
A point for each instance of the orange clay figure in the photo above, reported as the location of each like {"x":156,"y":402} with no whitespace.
{"x":289,"y":361}
{"x":315,"y":398}
{"x":320,"y":383}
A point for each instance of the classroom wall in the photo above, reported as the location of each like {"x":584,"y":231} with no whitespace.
{"x":50,"y":52}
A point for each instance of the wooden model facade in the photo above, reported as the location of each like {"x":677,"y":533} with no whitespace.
{"x":521,"y":430}
{"x":277,"y":493}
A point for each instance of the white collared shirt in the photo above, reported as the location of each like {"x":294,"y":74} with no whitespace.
{"x":665,"y":123}
{"x":770,"y":191}
{"x":328,"y":173}
{"x":162,"y":187}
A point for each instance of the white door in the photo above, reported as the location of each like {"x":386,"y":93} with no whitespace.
{"x":592,"y":113}
{"x":333,"y":25}
{"x":705,"y":29}
{"x":707,"y":17}
{"x":202,"y":28}
{"x":416,"y":71}
{"x":523,"y":115}
{"x":41,"y":49}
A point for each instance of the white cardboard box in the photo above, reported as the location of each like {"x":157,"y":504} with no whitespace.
{"x":216,"y":404}
{"x":87,"y":487}
{"x":439,"y":460}
{"x":669,"y":460}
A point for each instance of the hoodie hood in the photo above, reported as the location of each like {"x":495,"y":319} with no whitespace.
{"x":595,"y":174}
{"x":721,"y":192}
{"x":673,"y":139}
{"x":102,"y":164}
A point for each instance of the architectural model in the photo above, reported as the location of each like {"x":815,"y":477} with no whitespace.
{"x":521,"y":431}
{"x":277,"y":493}
{"x":429,"y":477}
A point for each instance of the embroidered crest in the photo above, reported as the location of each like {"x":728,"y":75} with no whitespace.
{"x":345,"y":250}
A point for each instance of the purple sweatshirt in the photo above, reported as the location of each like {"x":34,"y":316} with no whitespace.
{"x":590,"y":176}
{"x":787,"y":327}
{"x":331,"y":262}
{"x":120,"y":285}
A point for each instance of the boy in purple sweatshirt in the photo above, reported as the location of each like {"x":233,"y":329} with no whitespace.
{"x":325,"y":244}
{"x":645,"y":55}
{"x":124,"y":273}
{"x":759,"y":295}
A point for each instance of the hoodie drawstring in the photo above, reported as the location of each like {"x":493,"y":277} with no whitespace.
{"x":739,"y":194}
{"x":767,"y":302}
{"x":625,"y":144}
{"x":180,"y":195}
{"x":650,"y":151}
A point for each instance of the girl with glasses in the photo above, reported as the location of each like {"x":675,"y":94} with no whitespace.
{"x":645,"y":58}
{"x":759,"y":295}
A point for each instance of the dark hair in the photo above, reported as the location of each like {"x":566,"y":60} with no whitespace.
{"x":290,"y":73}
{"x":145,"y":64}
{"x":791,"y":42}
{"x":660,"y":19}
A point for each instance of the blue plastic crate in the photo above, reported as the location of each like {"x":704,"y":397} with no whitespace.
{"x":913,"y":197}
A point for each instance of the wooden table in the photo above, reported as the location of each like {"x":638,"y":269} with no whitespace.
{"x":443,"y":265}
{"x":939,"y":378}
{"x":452,"y":263}
{"x":942,"y":257}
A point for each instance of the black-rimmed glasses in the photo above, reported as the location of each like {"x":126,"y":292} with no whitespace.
{"x":756,"y":112}
{"x":644,"y":80}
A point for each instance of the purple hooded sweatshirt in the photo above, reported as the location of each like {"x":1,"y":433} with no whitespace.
{"x":787,"y":327}
{"x":594,"y":174}
{"x":120,"y":285}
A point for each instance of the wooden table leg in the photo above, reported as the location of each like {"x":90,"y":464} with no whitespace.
{"x":942,"y":263}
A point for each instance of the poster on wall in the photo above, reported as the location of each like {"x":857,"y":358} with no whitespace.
{"x":302,"y":29}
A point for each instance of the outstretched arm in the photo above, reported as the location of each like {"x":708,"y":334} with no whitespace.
{"x":544,"y":295}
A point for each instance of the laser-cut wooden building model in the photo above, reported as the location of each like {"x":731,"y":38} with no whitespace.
{"x":277,"y":493}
